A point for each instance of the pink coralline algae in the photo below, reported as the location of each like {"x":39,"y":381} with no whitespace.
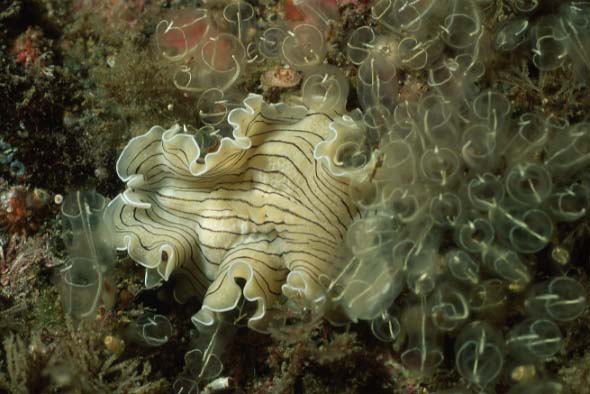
{"x":26,"y":47}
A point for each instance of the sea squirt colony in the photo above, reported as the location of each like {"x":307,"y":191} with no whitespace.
{"x":424,"y":214}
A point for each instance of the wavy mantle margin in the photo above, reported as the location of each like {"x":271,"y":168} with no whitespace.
{"x":176,"y":154}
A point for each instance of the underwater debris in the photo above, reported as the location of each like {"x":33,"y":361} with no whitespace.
{"x":24,"y":364}
{"x":114,"y":344}
{"x":22,"y":210}
{"x":21,"y":260}
{"x":203,"y":363}
{"x":280,"y":77}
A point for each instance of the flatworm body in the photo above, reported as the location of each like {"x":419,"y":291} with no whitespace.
{"x":262,"y":208}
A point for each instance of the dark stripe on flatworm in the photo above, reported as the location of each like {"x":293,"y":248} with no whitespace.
{"x":131,"y":161}
{"x":184,"y":159}
{"x":153,"y":156}
{"x":309,"y":157}
{"x":194,"y":236}
{"x":250,"y":204}
{"x":258,"y":261}
{"x":224,"y":273}
{"x":260,"y":118}
{"x":315,"y":237}
{"x":202,"y":279}
{"x":178,"y":235}
{"x":309,"y":189}
{"x":186,"y":271}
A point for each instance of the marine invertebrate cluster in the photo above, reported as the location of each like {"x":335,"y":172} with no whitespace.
{"x":90,"y":254}
{"x":423,"y":215}
{"x":209,"y":50}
